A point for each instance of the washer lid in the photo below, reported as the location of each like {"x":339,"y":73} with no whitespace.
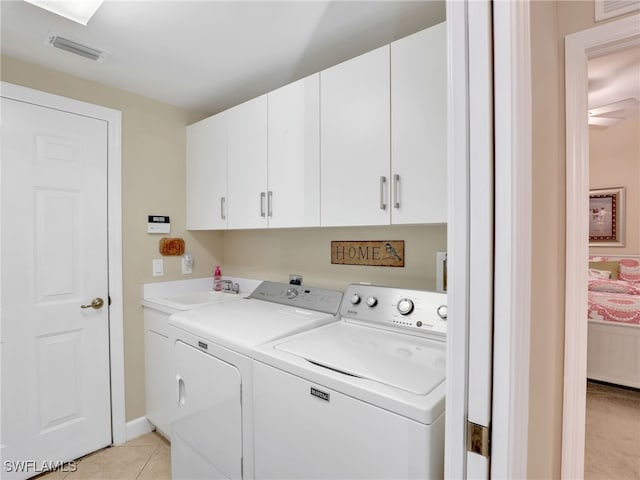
{"x":410,"y":363}
{"x":243,"y":324}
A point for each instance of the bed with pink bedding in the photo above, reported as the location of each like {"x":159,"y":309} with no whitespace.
{"x":614,"y":301}
{"x":613,"y":352}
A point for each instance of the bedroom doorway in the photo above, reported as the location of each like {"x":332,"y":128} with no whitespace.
{"x":612,"y":427}
{"x":580,"y":48}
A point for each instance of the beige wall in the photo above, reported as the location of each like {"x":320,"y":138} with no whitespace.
{"x":153,"y":178}
{"x":550,"y":23}
{"x":274,"y":254}
{"x":614,"y":161}
{"x":547,"y":295}
{"x":153,"y":182}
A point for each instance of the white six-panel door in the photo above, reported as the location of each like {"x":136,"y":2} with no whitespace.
{"x":55,"y":354}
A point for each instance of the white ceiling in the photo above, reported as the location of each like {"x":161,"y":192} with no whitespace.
{"x":210,"y":55}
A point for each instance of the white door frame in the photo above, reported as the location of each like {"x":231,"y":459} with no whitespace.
{"x":513,"y":216}
{"x":114,"y":159}
{"x":455,"y":461}
{"x":579,"y":48}
{"x":512,"y":270}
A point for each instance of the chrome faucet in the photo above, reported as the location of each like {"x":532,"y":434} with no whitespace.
{"x":229,"y":287}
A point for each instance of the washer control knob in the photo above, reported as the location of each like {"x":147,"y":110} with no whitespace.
{"x":292,"y":293}
{"x":405,"y":306}
{"x":442,"y":312}
{"x":372,"y":301}
{"x":355,"y":299}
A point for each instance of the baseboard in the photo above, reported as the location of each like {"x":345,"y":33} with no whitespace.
{"x":138,"y":427}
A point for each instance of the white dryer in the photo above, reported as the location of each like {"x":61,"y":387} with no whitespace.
{"x":211,"y":428}
{"x":362,"y":398}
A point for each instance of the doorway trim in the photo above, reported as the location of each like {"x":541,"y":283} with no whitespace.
{"x":114,"y":205}
{"x":513,"y":218}
{"x":579,"y":48}
{"x":512,"y":267}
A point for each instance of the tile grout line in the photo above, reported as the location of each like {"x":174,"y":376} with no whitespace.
{"x":145,"y":464}
{"x":155,"y":447}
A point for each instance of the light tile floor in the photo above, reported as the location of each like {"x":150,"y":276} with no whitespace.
{"x":612,"y":438}
{"x":144,"y":458}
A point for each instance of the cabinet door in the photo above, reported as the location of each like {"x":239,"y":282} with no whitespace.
{"x":158,"y":379}
{"x":207,"y":173}
{"x":419,"y":127}
{"x":293,"y":198}
{"x":355,"y":111}
{"x":247,"y":163}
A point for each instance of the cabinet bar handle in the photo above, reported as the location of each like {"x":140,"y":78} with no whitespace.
{"x":270,"y":203}
{"x":396,"y":186}
{"x":262,"y":196}
{"x":223,"y":201}
{"x":383,"y":181}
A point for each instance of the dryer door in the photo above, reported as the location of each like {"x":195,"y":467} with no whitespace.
{"x":206,"y":437}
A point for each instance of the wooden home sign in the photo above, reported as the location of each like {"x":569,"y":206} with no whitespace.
{"x":381,"y":253}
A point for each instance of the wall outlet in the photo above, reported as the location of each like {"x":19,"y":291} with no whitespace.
{"x":187,"y":264}
{"x":158,"y":267}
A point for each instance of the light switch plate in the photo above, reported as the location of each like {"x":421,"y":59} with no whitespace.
{"x":158,"y":267}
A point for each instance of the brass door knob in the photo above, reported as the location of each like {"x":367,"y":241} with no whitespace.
{"x":95,"y":303}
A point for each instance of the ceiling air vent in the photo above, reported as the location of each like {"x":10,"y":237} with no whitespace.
{"x":76,"y":48}
{"x":613,"y":8}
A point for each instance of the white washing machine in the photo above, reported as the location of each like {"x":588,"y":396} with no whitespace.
{"x":211,"y":427}
{"x":362,"y":398}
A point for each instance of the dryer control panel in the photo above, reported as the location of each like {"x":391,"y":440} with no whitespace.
{"x":301,"y":296}
{"x":417,"y":311}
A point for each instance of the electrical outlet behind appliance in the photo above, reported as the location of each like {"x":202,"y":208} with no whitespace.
{"x":441,"y":272}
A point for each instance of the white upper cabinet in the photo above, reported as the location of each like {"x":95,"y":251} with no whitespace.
{"x":361,"y":143}
{"x":257,"y":165}
{"x":355,"y":144}
{"x":247,"y":164}
{"x":293,"y":195}
{"x":419,"y":127}
{"x":207,"y":174}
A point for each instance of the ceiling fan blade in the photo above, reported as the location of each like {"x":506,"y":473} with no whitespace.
{"x":621,"y":114}
{"x":622,"y":105}
{"x":604,"y":122}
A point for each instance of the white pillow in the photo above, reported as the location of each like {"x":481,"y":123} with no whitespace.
{"x":599,"y":273}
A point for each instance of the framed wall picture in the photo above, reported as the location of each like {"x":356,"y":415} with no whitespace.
{"x":606,"y":217}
